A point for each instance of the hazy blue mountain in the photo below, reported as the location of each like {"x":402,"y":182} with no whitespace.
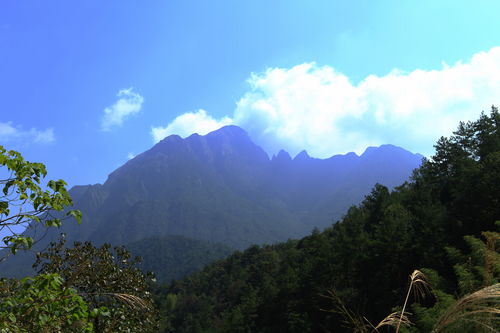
{"x":223,"y":188}
{"x":202,"y":187}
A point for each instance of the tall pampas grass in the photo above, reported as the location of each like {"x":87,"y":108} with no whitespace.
{"x":481,"y":307}
{"x":395,"y":319}
{"x":420,"y":286}
{"x":352,"y":320}
{"x":130,"y":300}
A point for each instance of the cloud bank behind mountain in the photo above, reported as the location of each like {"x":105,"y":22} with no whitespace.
{"x":319,"y":109}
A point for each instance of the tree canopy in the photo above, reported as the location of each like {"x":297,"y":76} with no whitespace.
{"x":43,"y":304}
{"x":104,"y":277}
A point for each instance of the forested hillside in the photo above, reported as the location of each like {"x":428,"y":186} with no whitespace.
{"x":174,"y":257}
{"x":437,"y":222}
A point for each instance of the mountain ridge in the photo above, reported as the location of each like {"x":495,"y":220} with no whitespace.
{"x":225,"y":176}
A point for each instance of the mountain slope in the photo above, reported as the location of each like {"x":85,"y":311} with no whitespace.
{"x":201,"y":187}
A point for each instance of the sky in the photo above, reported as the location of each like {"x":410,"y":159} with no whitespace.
{"x":87,"y":85}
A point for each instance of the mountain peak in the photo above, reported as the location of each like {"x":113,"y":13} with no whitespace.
{"x":172,"y":137}
{"x":229,"y":130}
{"x":281,"y":157}
{"x":385,"y":148}
{"x":303,"y":155}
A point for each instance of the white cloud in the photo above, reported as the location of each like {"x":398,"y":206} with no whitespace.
{"x":188,"y":123}
{"x":10,"y":133}
{"x":130,"y":156}
{"x":319,"y":109}
{"x":128,"y":103}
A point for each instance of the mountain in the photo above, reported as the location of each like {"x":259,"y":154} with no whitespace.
{"x":223,"y":188}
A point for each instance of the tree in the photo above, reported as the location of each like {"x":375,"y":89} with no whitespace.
{"x":24,"y":201}
{"x":104,"y":277}
{"x":43,"y":303}
{"x":464,"y":175}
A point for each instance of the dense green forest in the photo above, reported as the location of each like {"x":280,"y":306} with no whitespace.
{"x":173,"y":257}
{"x":441,"y":221}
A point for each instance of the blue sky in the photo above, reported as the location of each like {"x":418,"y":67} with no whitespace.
{"x":85,"y":85}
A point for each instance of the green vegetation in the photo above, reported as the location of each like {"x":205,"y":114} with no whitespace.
{"x":83,"y":289}
{"x":43,"y":304}
{"x":79,"y":289}
{"x":104,"y":278}
{"x":23,"y":200}
{"x":174,"y":257}
{"x":433,"y":222}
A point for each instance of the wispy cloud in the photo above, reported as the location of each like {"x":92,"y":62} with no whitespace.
{"x":319,"y":109}
{"x":130,"y":156}
{"x":11,"y":133}
{"x":128,"y":103}
{"x":188,"y":123}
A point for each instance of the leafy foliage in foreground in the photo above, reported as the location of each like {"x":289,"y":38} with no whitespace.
{"x":366,"y":257}
{"x":75,"y":287}
{"x":104,"y":277}
{"x":80,"y":289}
{"x":43,"y":304}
